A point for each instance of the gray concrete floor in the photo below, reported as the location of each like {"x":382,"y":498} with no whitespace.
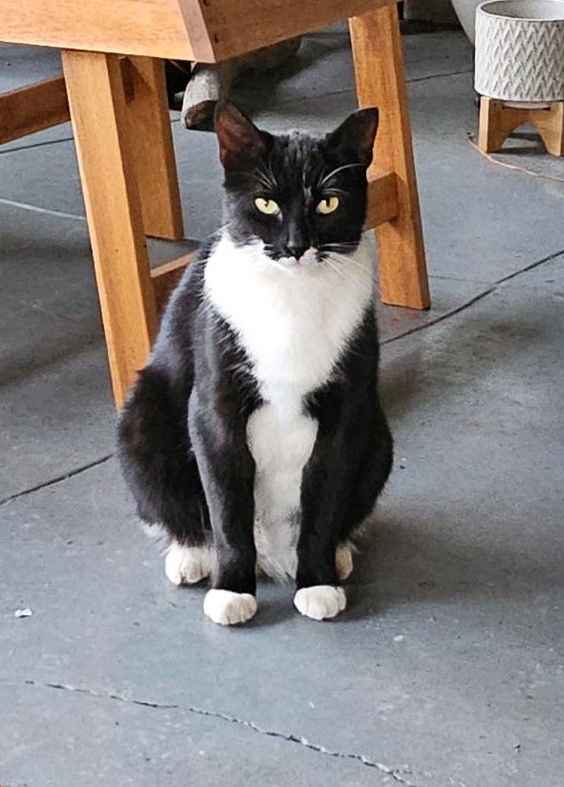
{"x":446,"y":670}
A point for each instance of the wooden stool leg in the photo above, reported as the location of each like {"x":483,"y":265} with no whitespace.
{"x":97,"y":104}
{"x":497,"y":122}
{"x":550,"y":125}
{"x":380,"y":81}
{"x":153,"y":152}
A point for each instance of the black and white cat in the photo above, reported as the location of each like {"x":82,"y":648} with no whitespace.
{"x":254,"y":436}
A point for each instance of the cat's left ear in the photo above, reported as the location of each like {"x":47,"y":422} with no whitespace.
{"x":241,"y":143}
{"x":355,"y":136}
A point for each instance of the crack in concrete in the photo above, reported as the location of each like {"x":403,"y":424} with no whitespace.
{"x":438,"y":76}
{"x":59,"y":214}
{"x":530,"y":267}
{"x":56,"y":480}
{"x":290,"y":102}
{"x":496,"y":284}
{"x":36,"y":145}
{"x":440,"y":318}
{"x":251,"y":725}
{"x":46,"y":142}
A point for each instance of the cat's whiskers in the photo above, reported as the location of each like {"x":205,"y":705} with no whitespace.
{"x":265,"y":177}
{"x":264,"y":180}
{"x":347,"y":260}
{"x":342,"y":267}
{"x":360,"y":273}
{"x":342,"y":272}
{"x":335,"y":248}
{"x":333,"y":267}
{"x":336,"y":171}
{"x":339,"y":249}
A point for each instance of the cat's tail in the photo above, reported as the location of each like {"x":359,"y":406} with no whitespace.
{"x":157,"y":461}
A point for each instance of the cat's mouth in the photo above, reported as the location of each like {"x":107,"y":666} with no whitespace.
{"x":309,"y":258}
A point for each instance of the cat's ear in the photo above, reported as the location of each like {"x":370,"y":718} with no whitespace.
{"x":241,"y":144}
{"x":355,"y":136}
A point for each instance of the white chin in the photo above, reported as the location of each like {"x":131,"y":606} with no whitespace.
{"x":308,"y":258}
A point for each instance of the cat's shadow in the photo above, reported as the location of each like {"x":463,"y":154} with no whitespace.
{"x":273,"y":611}
{"x":405,"y":563}
{"x":431,"y":375}
{"x":415,"y":555}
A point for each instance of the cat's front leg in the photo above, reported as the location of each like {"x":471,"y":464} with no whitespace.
{"x":319,"y":594}
{"x":227,"y":471}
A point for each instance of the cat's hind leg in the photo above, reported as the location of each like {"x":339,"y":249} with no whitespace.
{"x":161,"y":472}
{"x":187,"y":565}
{"x":344,"y":560}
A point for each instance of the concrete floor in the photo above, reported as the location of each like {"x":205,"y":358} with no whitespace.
{"x":446,"y":670}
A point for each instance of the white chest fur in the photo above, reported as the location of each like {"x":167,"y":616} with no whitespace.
{"x":293,"y":324}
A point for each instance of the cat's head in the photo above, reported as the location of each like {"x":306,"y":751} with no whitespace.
{"x":304,"y":198}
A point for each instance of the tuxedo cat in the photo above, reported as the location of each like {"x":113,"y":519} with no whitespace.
{"x":254,"y":436}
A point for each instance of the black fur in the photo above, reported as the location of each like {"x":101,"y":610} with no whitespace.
{"x":350,"y":462}
{"x":296,"y":169}
{"x":182,"y":432}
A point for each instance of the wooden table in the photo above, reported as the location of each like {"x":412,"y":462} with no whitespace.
{"x":112,"y":54}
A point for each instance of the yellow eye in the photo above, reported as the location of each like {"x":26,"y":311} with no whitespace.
{"x":267,"y":206}
{"x":328,"y":205}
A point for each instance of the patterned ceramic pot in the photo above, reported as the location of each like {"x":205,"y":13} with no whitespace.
{"x":520,"y":50}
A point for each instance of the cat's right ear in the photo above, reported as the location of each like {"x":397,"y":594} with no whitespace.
{"x":241,"y":144}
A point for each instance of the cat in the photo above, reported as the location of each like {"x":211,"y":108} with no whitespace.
{"x":254,"y":436}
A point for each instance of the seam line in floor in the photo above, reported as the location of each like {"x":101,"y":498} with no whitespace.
{"x":475,"y":298}
{"x":36,"y":209}
{"x":33,"y":145}
{"x":251,"y":725}
{"x":438,"y":76}
{"x":46,"y":142}
{"x":56,"y":480}
{"x":301,"y":100}
{"x":298,"y":100}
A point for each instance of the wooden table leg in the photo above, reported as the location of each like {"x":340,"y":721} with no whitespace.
{"x":153,"y":152}
{"x":97,"y":104}
{"x":380,"y":81}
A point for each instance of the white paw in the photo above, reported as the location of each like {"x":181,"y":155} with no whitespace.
{"x":228,"y":608}
{"x":320,"y":601}
{"x":344,"y":561}
{"x":187,"y":565}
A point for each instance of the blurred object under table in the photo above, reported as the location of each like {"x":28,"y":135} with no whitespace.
{"x":114,"y":90}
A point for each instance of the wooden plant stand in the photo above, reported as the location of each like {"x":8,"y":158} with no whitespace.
{"x":498,"y":121}
{"x":114,"y":79}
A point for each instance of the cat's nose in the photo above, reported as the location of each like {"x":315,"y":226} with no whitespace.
{"x":296,"y":251}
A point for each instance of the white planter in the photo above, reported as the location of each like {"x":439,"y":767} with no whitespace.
{"x":520,"y":50}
